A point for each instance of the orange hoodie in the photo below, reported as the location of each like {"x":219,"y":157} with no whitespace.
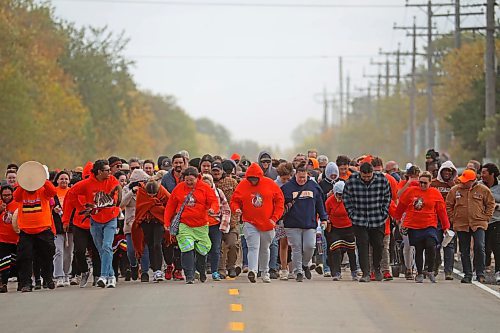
{"x":7,"y":233}
{"x":34,"y":213}
{"x":422,"y":208}
{"x":259,"y":203}
{"x":88,"y":188}
{"x":195,"y":212}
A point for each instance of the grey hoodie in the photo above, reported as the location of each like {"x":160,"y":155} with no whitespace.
{"x":447,"y":165}
{"x":128,"y":199}
{"x":271,"y":171}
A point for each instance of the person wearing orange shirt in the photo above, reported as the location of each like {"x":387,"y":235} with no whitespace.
{"x":8,"y":237}
{"x":423,"y":206}
{"x":102,"y":194}
{"x":343,"y":165}
{"x":260,"y":203}
{"x":36,"y":234}
{"x":198,"y":201}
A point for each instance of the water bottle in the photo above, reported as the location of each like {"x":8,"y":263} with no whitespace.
{"x":319,"y":244}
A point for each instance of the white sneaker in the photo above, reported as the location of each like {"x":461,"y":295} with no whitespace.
{"x":101,"y":282}
{"x":266,"y":278}
{"x":158,"y":276}
{"x":111,"y":282}
{"x":66,"y":281}
{"x":84,"y":279}
{"x":60,"y":282}
{"x":283,"y":274}
{"x":497,"y":277}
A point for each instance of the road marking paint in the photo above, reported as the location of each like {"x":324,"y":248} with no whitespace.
{"x":236,"y":307}
{"x":480,"y":285}
{"x":234,"y":292}
{"x":236,"y":326}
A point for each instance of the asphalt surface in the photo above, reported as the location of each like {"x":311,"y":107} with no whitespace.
{"x":318,"y":305}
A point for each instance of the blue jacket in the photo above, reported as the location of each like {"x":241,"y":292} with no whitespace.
{"x":305,"y":209}
{"x":168,"y":181}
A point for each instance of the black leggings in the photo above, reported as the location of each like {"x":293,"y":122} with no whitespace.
{"x":153,"y":235}
{"x":83,"y":243}
{"x":172,"y":255}
{"x":428,"y":245}
{"x":7,"y":261}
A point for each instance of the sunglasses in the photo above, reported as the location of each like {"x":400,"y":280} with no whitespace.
{"x":135,"y":168}
{"x":424,"y":183}
{"x":266,"y":161}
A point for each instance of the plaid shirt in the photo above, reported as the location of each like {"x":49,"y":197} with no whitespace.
{"x":227,"y":185}
{"x":367,"y":204}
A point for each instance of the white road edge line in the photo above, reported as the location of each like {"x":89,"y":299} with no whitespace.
{"x":479,"y":285}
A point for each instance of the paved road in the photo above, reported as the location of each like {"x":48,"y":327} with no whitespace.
{"x":319,"y":305}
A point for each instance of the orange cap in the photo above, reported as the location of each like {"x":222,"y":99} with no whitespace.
{"x":235,"y":157}
{"x":314,"y":162}
{"x":467,"y":176}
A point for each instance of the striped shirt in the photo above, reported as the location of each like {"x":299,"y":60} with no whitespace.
{"x":367,"y":203}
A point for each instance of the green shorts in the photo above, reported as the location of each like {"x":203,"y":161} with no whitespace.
{"x":194,"y":239}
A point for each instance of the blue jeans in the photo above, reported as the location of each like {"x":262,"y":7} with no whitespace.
{"x":449,"y":253}
{"x":464,"y":238}
{"x":326,"y":268}
{"x":103,"y":235}
{"x":216,"y":238}
{"x":244,"y":248}
{"x":131,"y":254}
{"x":273,"y":259}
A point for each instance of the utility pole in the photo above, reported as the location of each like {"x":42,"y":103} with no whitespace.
{"x":490,"y":79}
{"x":325,"y":111}
{"x":348,"y":94}
{"x":326,"y":100}
{"x":413,"y":86}
{"x":458,"y":33}
{"x":398,"y":64}
{"x":341,"y":91}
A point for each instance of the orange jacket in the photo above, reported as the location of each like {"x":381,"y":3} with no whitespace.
{"x":259,"y":203}
{"x":195,"y":212}
{"x":337,"y":213}
{"x":88,"y":188}
{"x":34,"y":213}
{"x":422,"y":208}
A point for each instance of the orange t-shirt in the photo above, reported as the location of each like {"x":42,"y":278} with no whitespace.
{"x":7,"y":233}
{"x":34,"y":213}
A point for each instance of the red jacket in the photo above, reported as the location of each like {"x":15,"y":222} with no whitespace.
{"x":88,"y":188}
{"x":195,"y":212}
{"x":7,"y":233}
{"x":422,"y":208}
{"x":34,"y":212}
{"x":337,"y":213}
{"x":259,"y":203}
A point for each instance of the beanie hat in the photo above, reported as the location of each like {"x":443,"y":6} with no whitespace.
{"x":235,"y":157}
{"x":228,"y":166}
{"x":338,"y":187}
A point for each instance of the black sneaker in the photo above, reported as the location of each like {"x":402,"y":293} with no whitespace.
{"x":379,"y":276}
{"x":144,"y":277}
{"x":300,"y":277}
{"x":273,"y":274}
{"x":448,"y":276}
{"x":189,"y":280}
{"x":3,"y":289}
{"x":237,"y":269}
{"x":26,"y":289}
{"x":232,"y":273}
{"x":51,"y":284}
{"x":365,"y":278}
{"x":38,"y":284}
{"x":466,"y":279}
{"x":307,"y":272}
{"x":251,"y":276}
{"x":134,"y":272}
{"x":128,"y":274}
{"x":203,"y":277}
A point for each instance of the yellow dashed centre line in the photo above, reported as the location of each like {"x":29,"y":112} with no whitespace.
{"x":236,"y":307}
{"x":236,"y":326}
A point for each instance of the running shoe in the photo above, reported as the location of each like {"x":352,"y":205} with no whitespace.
{"x":128,"y":274}
{"x":60,"y":282}
{"x":51,"y":284}
{"x":111,"y":282}
{"x":252,"y":276}
{"x":300,"y":277}
{"x":3,"y":288}
{"x":245,"y":269}
{"x":372,"y":276}
{"x":448,"y":276}
{"x":169,"y":271}
{"x":409,"y":274}
{"x":74,"y":281}
{"x":466,"y":279}
{"x":379,"y":276}
{"x":388,"y":276}
{"x":284,"y":275}
{"x":307,"y":272}
{"x":144,"y":277}
{"x":232,"y":273}
{"x":319,"y":269}
{"x":237,"y":269}
{"x":158,"y":276}
{"x":38,"y":284}
{"x":266,"y":278}
{"x":66,"y":281}
{"x":216,"y":276}
{"x":101,"y":282}
{"x":336,"y":277}
{"x":432,"y":277}
{"x":134,"y":272}
{"x":84,"y":279}
{"x":419,"y":278}
{"x":203,"y":277}
{"x":327,"y":274}
{"x":365,"y":278}
{"x":178,"y":275}
{"x":354,"y":276}
{"x":273,"y":274}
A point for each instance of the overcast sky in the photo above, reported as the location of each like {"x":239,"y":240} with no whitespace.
{"x":256,"y":70}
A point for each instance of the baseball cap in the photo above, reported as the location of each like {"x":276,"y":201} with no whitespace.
{"x":467,"y":176}
{"x":217,"y":165}
{"x":166,"y":162}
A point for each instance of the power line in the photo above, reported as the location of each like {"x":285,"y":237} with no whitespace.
{"x":235,"y":4}
{"x":248,"y":57}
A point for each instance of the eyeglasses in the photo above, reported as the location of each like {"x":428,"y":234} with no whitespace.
{"x":118,"y":166}
{"x":106,"y":170}
{"x":134,"y":168}
{"x":265,"y":161}
{"x":424,"y":183}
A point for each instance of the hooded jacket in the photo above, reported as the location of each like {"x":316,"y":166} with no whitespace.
{"x":327,"y":182}
{"x":129,"y":198}
{"x":271,"y":171}
{"x":442,"y":186}
{"x":470,"y":208}
{"x":259,"y":203}
{"x":195,"y":212}
{"x":303,"y":213}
